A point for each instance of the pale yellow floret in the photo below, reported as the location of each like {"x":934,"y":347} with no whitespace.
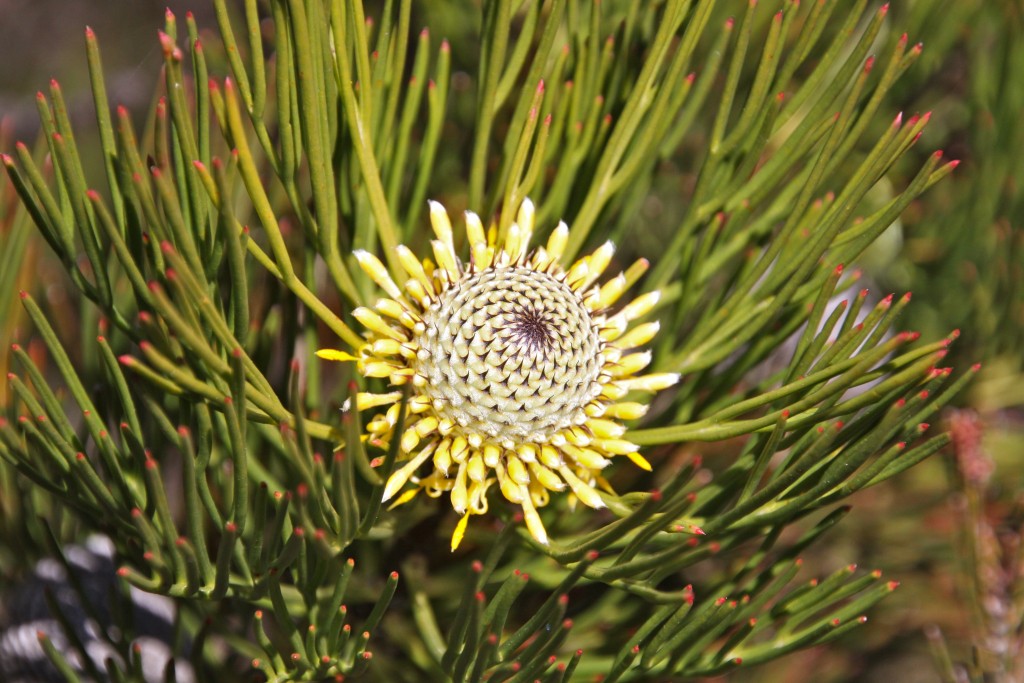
{"x":605,"y":429}
{"x":516,"y":243}
{"x":443,"y":457}
{"x":377,"y":368}
{"x":608,"y":294}
{"x":585,"y":492}
{"x":655,"y":382}
{"x":557,"y":241}
{"x":639,"y":335}
{"x":576,"y":437}
{"x":426,"y":426}
{"x":626,"y":411}
{"x":365,"y":400}
{"x":373,"y":322}
{"x":483,"y":256}
{"x":640,"y":306}
{"x":596,"y":264}
{"x":396,"y":311}
{"x":460,"y":449}
{"x":616,"y":446}
{"x":459,"y":493}
{"x":391,"y":416}
{"x":476,"y":468}
{"x":410,"y":439}
{"x":377,"y":272}
{"x":532,"y":519}
{"x":398,"y":478}
{"x":492,"y":455}
{"x":613,"y":327}
{"x":475,"y":230}
{"x":418,"y":404}
{"x":412,"y":266}
{"x":613,"y":391}
{"x":386,"y":347}
{"x":446,"y":426}
{"x":611,"y":354}
{"x":442,"y":224}
{"x":512,"y":491}
{"x":586,"y":457}
{"x":631,"y":364}
{"x":525,"y":217}
{"x":540,"y":260}
{"x":445,"y":258}
{"x":577,"y":274}
{"x":418,"y":292}
{"x":527,"y":452}
{"x":516,"y":469}
{"x":546,"y":477}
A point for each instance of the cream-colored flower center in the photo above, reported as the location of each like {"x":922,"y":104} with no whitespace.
{"x":510,"y":353}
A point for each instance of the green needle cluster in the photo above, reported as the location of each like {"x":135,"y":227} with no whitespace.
{"x":748,"y":153}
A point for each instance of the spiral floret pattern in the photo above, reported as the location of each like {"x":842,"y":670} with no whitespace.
{"x":511,"y":354}
{"x":519,"y":369}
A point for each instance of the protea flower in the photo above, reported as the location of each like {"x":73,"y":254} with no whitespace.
{"x":519,"y":368}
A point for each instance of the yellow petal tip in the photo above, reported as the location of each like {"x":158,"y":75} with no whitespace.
{"x":335,"y":354}
{"x":460,"y":531}
{"x":640,"y":461}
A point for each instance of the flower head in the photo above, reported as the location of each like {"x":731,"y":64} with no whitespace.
{"x":518,"y":368}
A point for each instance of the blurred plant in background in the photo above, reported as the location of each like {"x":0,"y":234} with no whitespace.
{"x":164,"y":390}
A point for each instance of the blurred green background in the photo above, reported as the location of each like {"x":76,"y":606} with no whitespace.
{"x":43,"y":39}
